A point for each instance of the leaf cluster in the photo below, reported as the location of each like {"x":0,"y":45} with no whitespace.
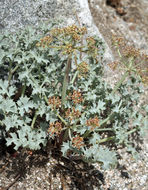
{"x":52,"y":87}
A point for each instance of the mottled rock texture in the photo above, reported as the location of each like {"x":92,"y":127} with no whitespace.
{"x":16,"y":14}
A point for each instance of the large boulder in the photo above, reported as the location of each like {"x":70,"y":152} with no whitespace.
{"x":122,"y":17}
{"x":16,"y":14}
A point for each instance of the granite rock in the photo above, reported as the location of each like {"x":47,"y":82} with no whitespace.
{"x":16,"y":14}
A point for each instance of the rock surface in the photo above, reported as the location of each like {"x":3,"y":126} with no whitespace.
{"x":129,"y":19}
{"x":126,"y":17}
{"x":16,"y":14}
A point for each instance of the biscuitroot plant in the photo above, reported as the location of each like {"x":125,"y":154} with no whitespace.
{"x":52,"y":87}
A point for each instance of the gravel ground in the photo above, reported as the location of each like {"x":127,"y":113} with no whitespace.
{"x":39,"y":171}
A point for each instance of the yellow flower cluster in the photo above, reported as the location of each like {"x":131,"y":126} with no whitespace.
{"x":45,"y":41}
{"x":77,"y":142}
{"x":55,"y":128}
{"x":72,"y":30}
{"x":91,"y":42}
{"x":92,"y":48}
{"x":143,"y":74}
{"x":83,"y":69}
{"x":130,"y":51}
{"x":93,"y":123}
{"x":113,"y":65}
{"x":76,"y":97}
{"x":72,"y":114}
{"x":145,"y":80}
{"x":55,"y":102}
{"x":68,"y":49}
{"x":117,"y":40}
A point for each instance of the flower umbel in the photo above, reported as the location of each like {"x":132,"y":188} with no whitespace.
{"x":72,"y":114}
{"x":72,"y":30}
{"x":93,"y":122}
{"x":113,"y":65}
{"x":55,"y":102}
{"x":83,"y":69}
{"x":55,"y":128}
{"x":92,"y":47}
{"x":45,"y":41}
{"x":117,"y":40}
{"x":68,"y":49}
{"x":77,"y":142}
{"x":130,"y":51}
{"x":76,"y":97}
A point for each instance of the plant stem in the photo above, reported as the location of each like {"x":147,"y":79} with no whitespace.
{"x":66,"y":79}
{"x":119,"y":53}
{"x":107,"y":119}
{"x":11,"y":72}
{"x":66,"y":134}
{"x":105,"y":129}
{"x":120,"y":82}
{"x":61,"y":119}
{"x":46,"y":100}
{"x":113,"y":137}
{"x":86,"y":133}
{"x":69,"y":133}
{"x":106,"y":139}
{"x":23,"y":90}
{"x":132,"y":131}
{"x":101,"y":124}
{"x":74,"y":77}
{"x":130,"y":64}
{"x":34,"y":119}
{"x":15,"y":68}
{"x":10,"y":76}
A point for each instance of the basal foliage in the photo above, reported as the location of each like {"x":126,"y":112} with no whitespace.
{"x":52,"y":87}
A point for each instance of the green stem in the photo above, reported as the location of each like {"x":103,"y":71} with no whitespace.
{"x":106,"y":120}
{"x":106,"y":139}
{"x":61,"y":119}
{"x":132,"y":131}
{"x":69,"y":134}
{"x":66,"y":80}
{"x":32,"y":78}
{"x":66,"y":134}
{"x":120,"y":82}
{"x":113,"y":137}
{"x":15,"y":68}
{"x":39,"y":70}
{"x":131,"y":61}
{"x":11,"y":72}
{"x":10,"y":76}
{"x":105,"y":129}
{"x":119,"y":53}
{"x":23,"y":90}
{"x":86,"y":133}
{"x":46,"y":100}
{"x":34,"y":119}
{"x":74,"y":77}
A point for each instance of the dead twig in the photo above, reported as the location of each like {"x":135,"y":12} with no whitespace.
{"x":3,"y":167}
